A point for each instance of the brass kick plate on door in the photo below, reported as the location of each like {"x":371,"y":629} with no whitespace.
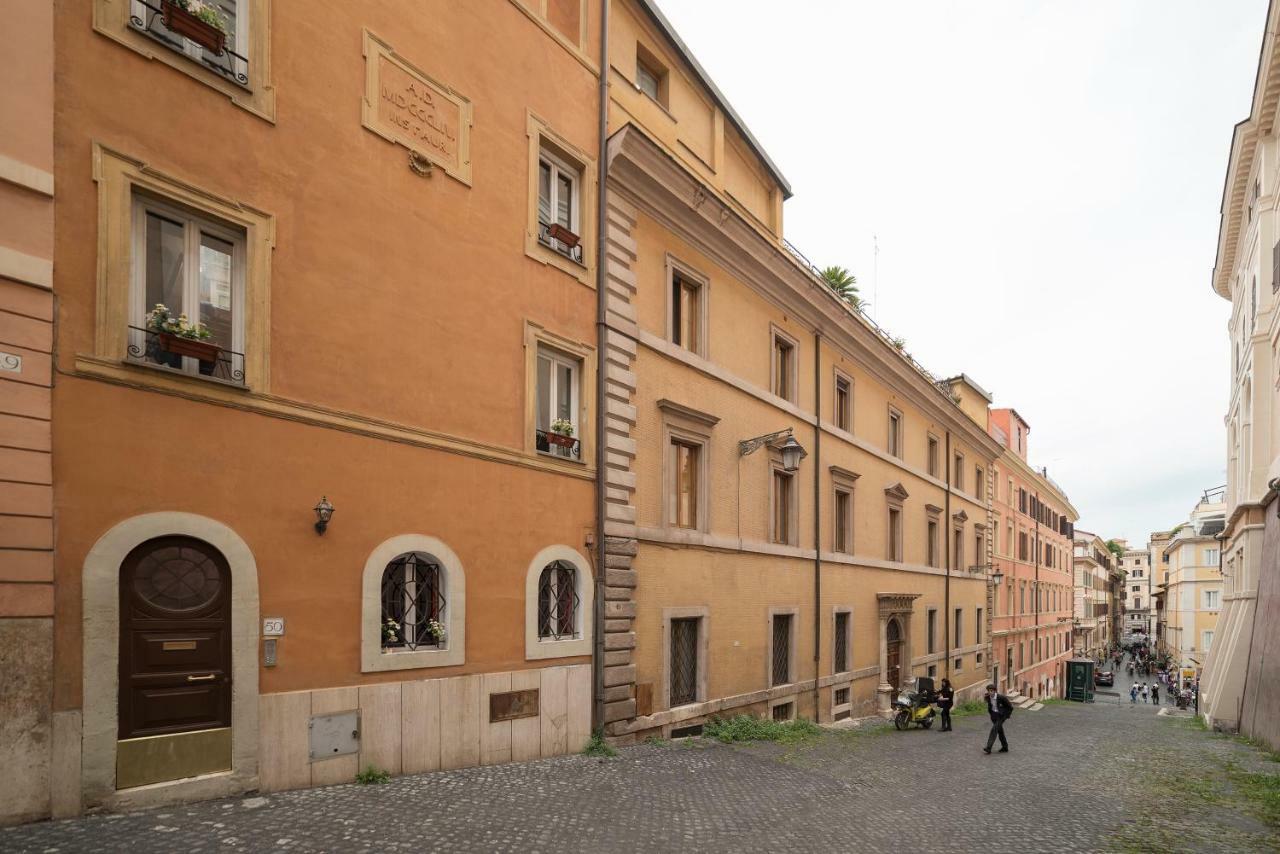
{"x":169,"y":646}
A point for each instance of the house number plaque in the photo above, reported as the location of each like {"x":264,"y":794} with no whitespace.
{"x":406,"y":106}
{"x":513,"y":704}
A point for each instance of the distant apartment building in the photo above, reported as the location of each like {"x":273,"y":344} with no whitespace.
{"x":1193,"y":592}
{"x":1032,"y":605}
{"x":1094,"y":568}
{"x":1239,"y":689}
{"x":1139,"y":608}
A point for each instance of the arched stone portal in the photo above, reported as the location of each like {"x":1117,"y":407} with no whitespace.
{"x":895,"y":644}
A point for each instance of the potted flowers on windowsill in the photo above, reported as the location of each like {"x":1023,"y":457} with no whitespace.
{"x":180,"y":336}
{"x":197,"y":20}
{"x":564,"y":235}
{"x":561,"y":433}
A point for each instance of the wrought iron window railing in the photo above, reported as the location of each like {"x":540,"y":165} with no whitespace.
{"x":684,"y":661}
{"x":558,"y":445}
{"x":413,"y":603}
{"x":573,"y":253}
{"x":147,"y":17}
{"x":147,"y":346}
{"x":558,"y":601}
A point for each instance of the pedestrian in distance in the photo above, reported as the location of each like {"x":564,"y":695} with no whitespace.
{"x":1133,"y":693}
{"x":999,"y":709}
{"x":1144,"y":692}
{"x":946,"y":697}
{"x":1155,"y":695}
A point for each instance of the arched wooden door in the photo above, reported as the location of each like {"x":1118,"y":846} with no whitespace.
{"x":893,"y":638}
{"x":175,"y":661}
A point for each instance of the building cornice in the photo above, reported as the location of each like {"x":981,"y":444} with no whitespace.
{"x":1245,"y":139}
{"x":648,"y":176}
{"x":1027,"y":470}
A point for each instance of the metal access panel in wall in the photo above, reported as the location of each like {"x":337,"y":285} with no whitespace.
{"x":334,"y":735}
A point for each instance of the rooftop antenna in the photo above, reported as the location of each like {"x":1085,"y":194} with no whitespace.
{"x":875,"y":276}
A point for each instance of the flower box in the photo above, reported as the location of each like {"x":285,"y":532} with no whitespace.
{"x":205,"y":351}
{"x":564,"y":235}
{"x":181,"y":22}
{"x":561,"y":440}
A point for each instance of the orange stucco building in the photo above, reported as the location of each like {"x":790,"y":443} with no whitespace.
{"x":420,"y":399}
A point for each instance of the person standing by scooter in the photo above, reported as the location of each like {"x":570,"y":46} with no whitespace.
{"x":946,"y":697}
{"x":999,"y":709}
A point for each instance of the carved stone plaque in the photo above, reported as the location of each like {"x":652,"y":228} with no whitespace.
{"x":408,"y":107}
{"x":512,"y":705}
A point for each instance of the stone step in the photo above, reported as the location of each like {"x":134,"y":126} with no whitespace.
{"x":1037,"y":707}
{"x":1026,"y":704}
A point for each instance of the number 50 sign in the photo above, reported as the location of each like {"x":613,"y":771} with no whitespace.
{"x":272,"y":627}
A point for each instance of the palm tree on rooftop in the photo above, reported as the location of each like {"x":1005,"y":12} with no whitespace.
{"x":844,"y":284}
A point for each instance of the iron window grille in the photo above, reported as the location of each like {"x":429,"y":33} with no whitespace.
{"x":413,"y":603}
{"x":842,"y":697}
{"x":782,"y":712}
{"x":781,"y":649}
{"x":148,"y":19}
{"x":684,"y":661}
{"x":842,"y":642}
{"x":558,"y":601}
{"x":145,"y":346}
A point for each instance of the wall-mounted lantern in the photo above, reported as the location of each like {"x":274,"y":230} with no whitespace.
{"x":324,"y":512}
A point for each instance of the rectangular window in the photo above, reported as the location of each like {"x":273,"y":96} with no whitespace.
{"x":979,"y":548}
{"x":977,"y":627}
{"x":651,"y":76}
{"x":784,"y":366}
{"x":933,"y":671}
{"x":840,"y":659}
{"x":559,"y":203}
{"x":781,"y":665}
{"x":1211,"y":557}
{"x":957,"y":555}
{"x":1206,"y":641}
{"x":842,"y":534}
{"x":647,"y":80}
{"x":844,"y":404}
{"x":894,"y":546}
{"x":782,"y":711}
{"x":684,"y":660}
{"x":932,"y":630}
{"x":684,"y":504}
{"x":956,"y":664}
{"x":958,"y":639}
{"x":783,"y":510}
{"x":686,"y":313}
{"x":933,"y":456}
{"x":979,"y":484}
{"x":1212,"y":599}
{"x":958,"y":472}
{"x":557,"y":427}
{"x":894,"y":442}
{"x":187,"y":265}
{"x":931,"y":543}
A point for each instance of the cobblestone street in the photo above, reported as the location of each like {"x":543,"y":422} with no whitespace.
{"x":1108,"y":776}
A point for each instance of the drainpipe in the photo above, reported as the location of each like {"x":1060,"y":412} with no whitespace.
{"x":817,"y":517}
{"x":947,"y":534}
{"x":1036,"y":599}
{"x":602,"y":173}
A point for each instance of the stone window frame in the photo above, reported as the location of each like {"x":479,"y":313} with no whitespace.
{"x":120,"y":179}
{"x":932,"y":453}
{"x":843,"y":480}
{"x":930,"y":630}
{"x":541,"y":135}
{"x":792,"y":534}
{"x":895,"y":498}
{"x":690,"y":426}
{"x":979,"y":544}
{"x":535,"y":336}
{"x":673,"y":266}
{"x":372,"y":658}
{"x":702,"y":613}
{"x":111,"y":19}
{"x":776,"y":335}
{"x":895,"y":430}
{"x":933,"y":541}
{"x":540,"y":649}
{"x":838,"y":377}
{"x":957,"y":481}
{"x":957,"y":540}
{"x":657,"y":69}
{"x":774,"y":611}
{"x":979,"y":483}
{"x":842,"y":678}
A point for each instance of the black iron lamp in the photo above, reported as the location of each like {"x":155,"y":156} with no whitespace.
{"x":324,"y":512}
{"x":792,"y":451}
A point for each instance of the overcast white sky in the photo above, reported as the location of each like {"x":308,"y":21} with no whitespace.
{"x":1044,"y":181}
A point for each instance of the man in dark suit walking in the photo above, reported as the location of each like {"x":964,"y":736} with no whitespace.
{"x":999,"y":708}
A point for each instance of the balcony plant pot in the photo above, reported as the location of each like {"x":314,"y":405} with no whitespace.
{"x":561,"y":439}
{"x":205,"y":351}
{"x":564,"y":235}
{"x":178,"y":20}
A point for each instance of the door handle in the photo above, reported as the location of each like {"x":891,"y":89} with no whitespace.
{"x":208,"y":677}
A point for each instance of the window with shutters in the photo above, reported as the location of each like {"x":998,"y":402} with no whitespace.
{"x":684,"y":660}
{"x":931,"y":543}
{"x":842,"y":407}
{"x":784,"y":380}
{"x":979,"y":483}
{"x":842,"y":528}
{"x":894,"y":440}
{"x":784,"y":510}
{"x":781,"y":630}
{"x":932,"y":456}
{"x":958,"y":472}
{"x":840,"y":655}
{"x":893,"y":547}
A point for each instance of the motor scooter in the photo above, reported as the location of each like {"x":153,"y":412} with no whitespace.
{"x":914,"y":704}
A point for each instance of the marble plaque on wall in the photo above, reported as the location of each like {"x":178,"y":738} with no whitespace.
{"x":406,"y":106}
